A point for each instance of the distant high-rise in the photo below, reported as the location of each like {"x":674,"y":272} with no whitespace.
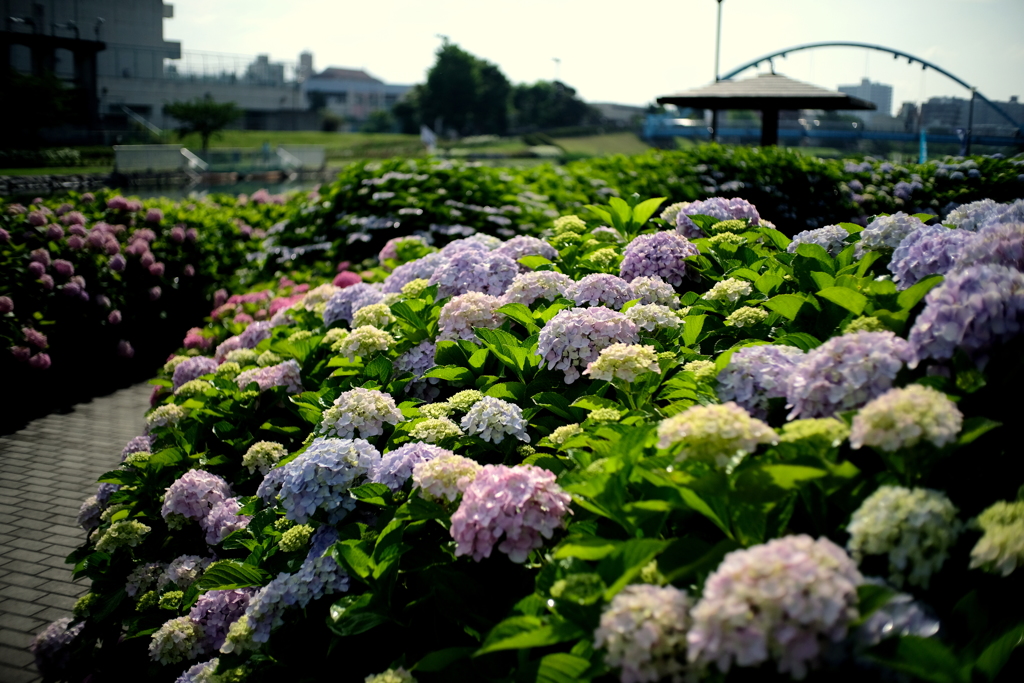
{"x":878,"y":93}
{"x":305,"y":65}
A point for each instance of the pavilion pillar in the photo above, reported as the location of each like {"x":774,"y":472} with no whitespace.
{"x":769,"y":127}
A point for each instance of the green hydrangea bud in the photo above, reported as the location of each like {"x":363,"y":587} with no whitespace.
{"x":826,"y":432}
{"x":296,"y":538}
{"x":464,"y":400}
{"x":734,"y":225}
{"x":746,"y":316}
{"x":192,"y":388}
{"x":565,"y":239}
{"x":299,"y":335}
{"x":564,"y":433}
{"x":228,"y":370}
{"x":604,"y":258}
{"x":147,"y":601}
{"x":242,"y":356}
{"x":414,"y":288}
{"x":525,"y":451}
{"x":136,"y":459}
{"x":268,"y":358}
{"x":865,"y":323}
{"x":605,"y":415}
{"x":283,"y":524}
{"x":171,"y":600}
{"x":83,"y":604}
{"x":726,"y":238}
{"x":571,"y":224}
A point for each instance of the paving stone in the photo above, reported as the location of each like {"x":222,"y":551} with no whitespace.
{"x":9,"y":674}
{"x":16,"y":657}
{"x":25,"y":609}
{"x":14,"y":578}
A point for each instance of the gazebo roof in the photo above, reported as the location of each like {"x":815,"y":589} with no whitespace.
{"x":766,"y":91}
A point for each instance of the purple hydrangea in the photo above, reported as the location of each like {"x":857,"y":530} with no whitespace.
{"x":199,"y":673}
{"x":525,"y":245}
{"x":831,"y":238}
{"x":223,"y":520}
{"x":1006,"y":213}
{"x":997,"y":244}
{"x":105,"y":491}
{"x":52,"y":647}
{"x":574,"y":338}
{"x":527,"y":288}
{"x":654,"y":290}
{"x":932,"y":250}
{"x":183,"y":571}
{"x":973,"y":310}
{"x":255,"y":333}
{"x":717,"y":207}
{"x":786,"y":600}
{"x":345,"y":302}
{"x":286,"y":374}
{"x":470,"y":270}
{"x":193,"y":495}
{"x":756,"y":374}
{"x":845,"y":373}
{"x":521,"y":504}
{"x":142,"y":577}
{"x":89,"y":513}
{"x":971,"y":216}
{"x":193,"y":368}
{"x":215,"y":611}
{"x":395,"y":468}
{"x":600,"y":289}
{"x":662,"y":254}
{"x":420,"y":269}
{"x":643,"y":630}
{"x":140,"y":444}
{"x":886,"y":232}
{"x":321,"y":476}
{"x":418,"y":360}
{"x":467,"y":311}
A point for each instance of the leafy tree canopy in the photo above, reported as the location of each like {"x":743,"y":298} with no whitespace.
{"x":204,"y":116}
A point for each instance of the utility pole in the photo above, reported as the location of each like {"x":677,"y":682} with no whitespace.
{"x":970,"y":122}
{"x":718,"y":43}
{"x":558,"y":67}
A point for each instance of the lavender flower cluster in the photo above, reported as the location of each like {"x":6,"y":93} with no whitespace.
{"x":460,"y":315}
{"x":574,"y":338}
{"x":472,"y":270}
{"x":886,"y":232}
{"x":831,"y":238}
{"x":286,"y":374}
{"x":662,"y":255}
{"x":643,"y":630}
{"x":600,"y":289}
{"x":527,"y":288}
{"x":321,"y":476}
{"x":929,"y":250}
{"x":345,"y":302}
{"x":756,"y":374}
{"x":395,"y":467}
{"x":193,"y":496}
{"x":717,"y":207}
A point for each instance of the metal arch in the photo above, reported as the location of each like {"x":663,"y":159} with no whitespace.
{"x":869,"y":46}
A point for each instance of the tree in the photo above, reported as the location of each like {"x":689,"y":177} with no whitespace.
{"x":550,"y":105}
{"x":379,"y":121}
{"x":203,"y":116}
{"x":465,"y":94}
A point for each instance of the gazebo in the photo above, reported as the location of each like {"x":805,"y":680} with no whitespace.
{"x":768,"y":93}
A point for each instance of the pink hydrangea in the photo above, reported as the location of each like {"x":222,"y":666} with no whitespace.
{"x":473,"y":309}
{"x":193,"y":495}
{"x":347,"y":278}
{"x":517,"y":506}
{"x":600,"y":289}
{"x":223,"y":520}
{"x":285,"y":374}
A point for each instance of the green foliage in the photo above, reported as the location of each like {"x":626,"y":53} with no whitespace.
{"x":203,"y":116}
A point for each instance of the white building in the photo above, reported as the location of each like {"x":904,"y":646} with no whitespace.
{"x":878,"y":93}
{"x":351,"y":93}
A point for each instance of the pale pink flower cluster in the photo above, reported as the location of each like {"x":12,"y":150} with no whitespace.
{"x":460,"y":315}
{"x":643,"y":631}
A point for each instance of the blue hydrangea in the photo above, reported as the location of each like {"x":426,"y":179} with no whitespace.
{"x":470,"y":270}
{"x":600,"y":289}
{"x":420,"y":269}
{"x":140,"y":444}
{"x":345,"y":302}
{"x":845,"y":373}
{"x":525,"y":245}
{"x":215,"y":611}
{"x":756,"y":374}
{"x":395,"y":467}
{"x":662,"y":254}
{"x":1006,"y":213}
{"x":831,"y":238}
{"x":886,"y":232}
{"x":717,"y":207}
{"x":321,"y":476}
{"x":971,"y":216}
{"x":997,"y":244}
{"x":974,"y":310}
{"x":192,"y":368}
{"x":929,"y":251}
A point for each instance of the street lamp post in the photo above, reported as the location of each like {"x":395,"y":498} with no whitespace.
{"x":718,"y":42}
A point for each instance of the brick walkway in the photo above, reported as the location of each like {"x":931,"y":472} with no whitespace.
{"x":46,"y":470}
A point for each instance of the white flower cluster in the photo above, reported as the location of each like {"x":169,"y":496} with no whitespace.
{"x":652,"y":317}
{"x":435,"y":430}
{"x":460,"y":315}
{"x":654,"y":290}
{"x":263,"y":456}
{"x":362,"y":341}
{"x":623,"y":362}
{"x":715,"y":433}
{"x":746,"y":316}
{"x":446,"y":476}
{"x":493,"y":419}
{"x":914,"y":527}
{"x":564,"y":433}
{"x":166,"y":415}
{"x":1001,"y":548}
{"x":731,"y":290}
{"x":375,"y":315}
{"x":362,"y":410}
{"x":643,"y":630}
{"x":902,"y":418}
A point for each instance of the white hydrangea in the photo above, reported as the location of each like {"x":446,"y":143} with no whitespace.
{"x":263,"y":456}
{"x":362,"y":410}
{"x":703,"y":370}
{"x":914,"y":527}
{"x":652,"y":316}
{"x":444,"y":477}
{"x":746,"y":316}
{"x":242,"y":356}
{"x":902,"y":418}
{"x":177,"y":640}
{"x":362,"y":341}
{"x":492,"y":419}
{"x":435,"y":409}
{"x":374,"y":315}
{"x":731,"y":290}
{"x":653,"y":290}
{"x":643,"y":631}
{"x":435,"y":429}
{"x":464,"y":400}
{"x":333,"y":336}
{"x":166,"y":415}
{"x":193,"y":387}
{"x":564,"y":433}
{"x":623,"y":362}
{"x":716,"y":433}
{"x":1000,"y":550}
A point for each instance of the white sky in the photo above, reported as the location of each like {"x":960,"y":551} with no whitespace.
{"x":630,"y":52}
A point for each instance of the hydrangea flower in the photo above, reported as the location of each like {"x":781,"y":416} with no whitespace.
{"x":420,"y":269}
{"x":268,"y":358}
{"x":864,"y":323}
{"x":1000,"y":550}
{"x":703,"y":370}
{"x":215,"y":611}
{"x":434,"y":410}
{"x":914,"y":527}
{"x":492,"y":419}
{"x":623,"y":362}
{"x":362,"y":341}
{"x":435,"y":430}
{"x":390,"y":250}
{"x":255,"y":333}
{"x":756,"y":374}
{"x":167,"y":415}
{"x":263,"y":456}
{"x":395,"y":468}
{"x":192,"y":388}
{"x":827,"y":432}
{"x":313,"y":299}
{"x":124,"y":532}
{"x":178,"y":640}
{"x":1005,"y":213}
{"x":411,"y":289}
{"x":831,"y":238}
{"x":564,"y":433}
{"x":784,"y":600}
{"x":716,"y":207}
{"x":902,"y":418}
{"x":460,"y":315}
{"x":600,"y":289}
{"x":360,"y":410}
{"x":970,"y":216}
{"x":464,"y":400}
{"x":525,"y":245}
{"x":652,"y":317}
{"x":973,"y":310}
{"x":286,"y":374}
{"x":89,"y":514}
{"x":321,"y":476}
{"x":654,"y":290}
{"x":746,"y":316}
{"x":398,"y":675}
{"x":715,"y":433}
{"x":192,"y":496}
{"x":730,"y":289}
{"x":183,"y":571}
{"x":643,"y":630}
{"x":604,"y":415}
{"x":200,"y":673}
{"x":662,"y":254}
{"x":376,"y":315}
{"x":571,"y":223}
{"x":886,"y":232}
{"x":295,"y":538}
{"x":345,"y":302}
{"x":474,"y":271}
{"x":669,"y":213}
{"x":845,"y":373}
{"x":521,"y":504}
{"x":446,"y":476}
{"x":223,"y":520}
{"x":51,"y":648}
{"x":999,"y":244}
{"x":526,"y":288}
{"x":930,"y":250}
{"x":574,"y":338}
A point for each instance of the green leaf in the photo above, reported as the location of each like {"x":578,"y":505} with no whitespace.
{"x":910,"y":296}
{"x":786,"y":305}
{"x":822,"y":280}
{"x":778,"y":239}
{"x":847,"y":298}
{"x":602,"y":213}
{"x":791,"y":476}
{"x":586,"y":548}
{"x":450,"y":373}
{"x":353,"y":614}
{"x":521,"y":314}
{"x":508,"y":391}
{"x":871,"y":597}
{"x":404,"y":311}
{"x":975,"y":427}
{"x":371,"y":493}
{"x":800,"y":340}
{"x":595,"y":403}
{"x":439,"y":660}
{"x":645,"y":209}
{"x":561,"y":667}
{"x":624,"y":564}
{"x":516,"y":633}
{"x":768,"y":282}
{"x":379,"y":369}
{"x":533,"y":262}
{"x":923,"y":658}
{"x":229,"y":575}
{"x":621,"y":212}
{"x":351,"y":555}
{"x":994,"y":657}
{"x":692,"y":326}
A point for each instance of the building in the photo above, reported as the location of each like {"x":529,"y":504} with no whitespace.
{"x":877,"y":93}
{"x":946,"y":114}
{"x":351,"y":94}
